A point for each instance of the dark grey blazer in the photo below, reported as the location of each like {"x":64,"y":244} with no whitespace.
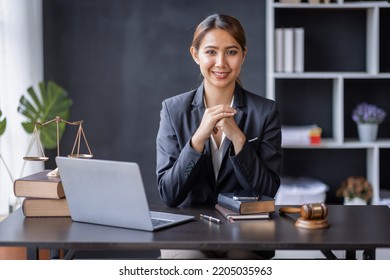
{"x":186,"y":177}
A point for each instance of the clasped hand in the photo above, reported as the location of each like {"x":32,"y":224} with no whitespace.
{"x":219,"y":117}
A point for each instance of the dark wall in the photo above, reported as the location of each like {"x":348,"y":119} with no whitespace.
{"x":119,"y":59}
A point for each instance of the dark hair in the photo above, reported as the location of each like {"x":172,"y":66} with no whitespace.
{"x":217,"y":21}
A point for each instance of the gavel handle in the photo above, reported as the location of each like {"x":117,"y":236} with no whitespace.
{"x":290,"y":210}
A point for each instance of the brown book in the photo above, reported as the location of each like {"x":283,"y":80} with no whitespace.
{"x":39,"y":185}
{"x":42,"y":207}
{"x":264,"y":204}
{"x":232,"y":215}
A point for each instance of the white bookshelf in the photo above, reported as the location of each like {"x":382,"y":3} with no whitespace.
{"x":337,"y":79}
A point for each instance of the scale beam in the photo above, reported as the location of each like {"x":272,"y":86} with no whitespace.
{"x":35,"y":139}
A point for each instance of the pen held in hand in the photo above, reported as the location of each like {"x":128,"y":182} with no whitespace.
{"x":211,"y":219}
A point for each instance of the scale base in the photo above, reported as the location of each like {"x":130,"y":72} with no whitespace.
{"x":312,"y":224}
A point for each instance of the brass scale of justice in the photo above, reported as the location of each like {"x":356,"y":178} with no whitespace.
{"x":75,"y":153}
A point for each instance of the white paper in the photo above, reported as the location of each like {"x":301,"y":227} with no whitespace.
{"x":297,"y":135}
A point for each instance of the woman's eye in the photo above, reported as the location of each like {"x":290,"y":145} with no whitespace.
{"x":232,"y":52}
{"x":210,"y":52}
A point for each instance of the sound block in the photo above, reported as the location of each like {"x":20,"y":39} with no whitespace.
{"x":312,"y":224}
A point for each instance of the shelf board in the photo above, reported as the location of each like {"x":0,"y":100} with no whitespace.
{"x":345,"y":5}
{"x":331,"y":75}
{"x":329,"y":143}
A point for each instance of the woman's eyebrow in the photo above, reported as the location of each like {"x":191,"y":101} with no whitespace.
{"x":215,"y":47}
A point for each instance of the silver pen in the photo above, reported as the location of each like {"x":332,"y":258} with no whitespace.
{"x":212,"y":219}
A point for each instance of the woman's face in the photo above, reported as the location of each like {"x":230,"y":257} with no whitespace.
{"x":220,"y":58}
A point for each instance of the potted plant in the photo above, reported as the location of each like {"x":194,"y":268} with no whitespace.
{"x":355,"y":190}
{"x":368,"y":117}
{"x":3,"y":125}
{"x":53,"y":101}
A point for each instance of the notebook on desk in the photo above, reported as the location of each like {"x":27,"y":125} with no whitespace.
{"x":110,"y":193}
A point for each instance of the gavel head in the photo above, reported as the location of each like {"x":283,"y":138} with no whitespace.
{"x":312,"y":211}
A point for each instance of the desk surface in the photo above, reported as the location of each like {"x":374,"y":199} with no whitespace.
{"x":351,"y":228}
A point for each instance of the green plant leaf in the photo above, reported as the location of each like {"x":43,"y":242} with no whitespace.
{"x":27,"y":109}
{"x":28,"y":127}
{"x":52,"y":101}
{"x":3,"y":123}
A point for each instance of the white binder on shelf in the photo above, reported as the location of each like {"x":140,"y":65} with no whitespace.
{"x":288,"y":52}
{"x":299,"y":49}
{"x":279,"y":49}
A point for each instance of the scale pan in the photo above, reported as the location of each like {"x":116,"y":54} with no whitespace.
{"x":80,"y":156}
{"x":36,"y":158}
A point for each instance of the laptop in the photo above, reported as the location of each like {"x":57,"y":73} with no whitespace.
{"x":110,"y":193}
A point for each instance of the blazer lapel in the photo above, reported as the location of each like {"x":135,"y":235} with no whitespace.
{"x":198,"y":107}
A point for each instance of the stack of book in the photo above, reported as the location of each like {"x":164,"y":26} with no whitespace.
{"x":245,"y":209}
{"x":43,"y":196}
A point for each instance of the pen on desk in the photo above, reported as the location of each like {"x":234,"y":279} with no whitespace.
{"x":212,"y":219}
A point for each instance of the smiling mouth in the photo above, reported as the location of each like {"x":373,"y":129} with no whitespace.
{"x":220,"y":75}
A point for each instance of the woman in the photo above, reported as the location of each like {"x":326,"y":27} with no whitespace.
{"x":219,"y":137}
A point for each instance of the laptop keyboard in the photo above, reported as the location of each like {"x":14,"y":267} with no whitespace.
{"x":159,"y":222}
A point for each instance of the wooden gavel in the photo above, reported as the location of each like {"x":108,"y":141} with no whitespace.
{"x":310,"y":211}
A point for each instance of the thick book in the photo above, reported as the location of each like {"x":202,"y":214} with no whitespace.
{"x":264,"y":204}
{"x":39,"y":185}
{"x":42,"y":207}
{"x":231,"y":215}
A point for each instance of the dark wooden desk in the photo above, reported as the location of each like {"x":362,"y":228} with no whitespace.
{"x":352,"y":228}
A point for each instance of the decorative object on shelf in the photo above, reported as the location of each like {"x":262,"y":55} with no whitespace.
{"x":368,"y":117}
{"x":367,"y":132}
{"x":355,"y":190}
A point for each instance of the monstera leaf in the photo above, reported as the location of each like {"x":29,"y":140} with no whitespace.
{"x":53,"y":101}
{"x":3,"y":124}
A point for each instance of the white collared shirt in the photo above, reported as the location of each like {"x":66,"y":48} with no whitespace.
{"x":216,"y":154}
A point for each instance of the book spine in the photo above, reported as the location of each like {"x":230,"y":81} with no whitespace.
{"x":288,"y":40}
{"x":229,"y":203}
{"x":221,"y":210}
{"x":38,"y":207}
{"x":299,"y":38}
{"x":279,"y":50}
